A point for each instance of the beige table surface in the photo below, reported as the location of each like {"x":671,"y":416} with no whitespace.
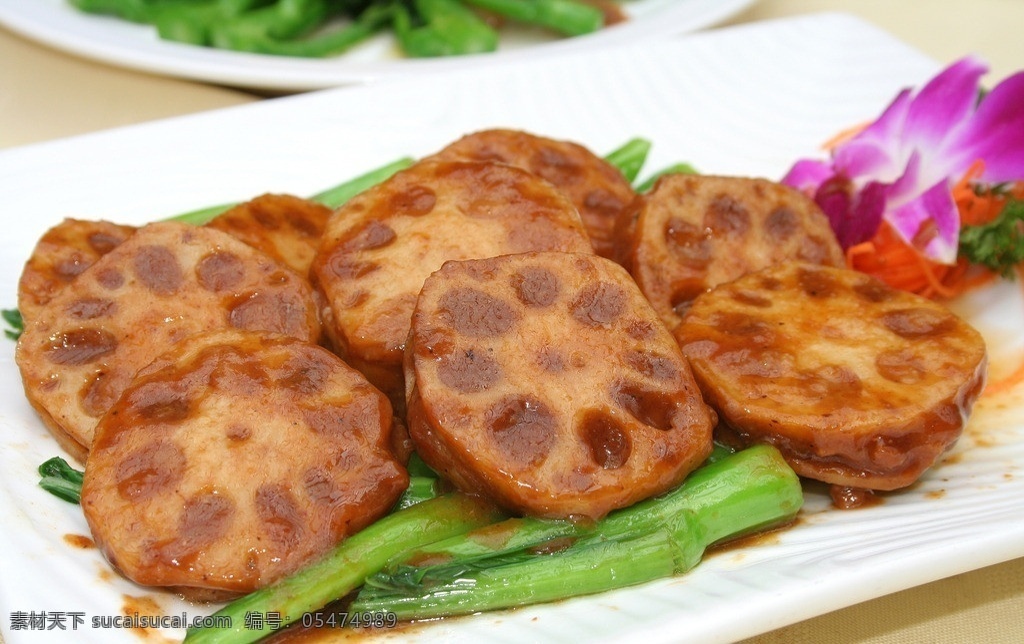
{"x":45,"y":94}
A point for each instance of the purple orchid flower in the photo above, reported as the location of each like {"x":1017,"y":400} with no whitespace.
{"x":901,"y":168}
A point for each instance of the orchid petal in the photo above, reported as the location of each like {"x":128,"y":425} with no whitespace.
{"x":910,"y":184}
{"x":862,"y":158}
{"x":901,"y":167}
{"x":888,"y":126}
{"x":807,"y":174}
{"x":854,"y":215}
{"x":994,"y":134}
{"x":943,"y":104}
{"x":834,"y":197}
{"x":930,"y":223}
{"x":875,"y":149}
{"x":868,"y":211}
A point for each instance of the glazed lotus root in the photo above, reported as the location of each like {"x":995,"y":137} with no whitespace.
{"x":380,"y":246}
{"x":235,"y":458}
{"x":596,"y":187}
{"x":693,"y":232}
{"x":545,"y":382}
{"x":60,"y":255}
{"x":858,"y":384}
{"x":285,"y":227}
{"x":165,"y":282}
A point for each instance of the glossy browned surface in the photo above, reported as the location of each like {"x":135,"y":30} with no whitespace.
{"x":692,"y":232}
{"x":546,"y":382}
{"x":234,"y":459}
{"x":596,"y":188}
{"x":164,"y":283}
{"x":858,"y":384}
{"x":60,"y":255}
{"x":284,"y":227}
{"x":381,"y":245}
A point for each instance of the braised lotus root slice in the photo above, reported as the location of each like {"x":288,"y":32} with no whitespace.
{"x":546,"y":382}
{"x":858,"y":384}
{"x":596,"y":187}
{"x":692,"y":232}
{"x":165,"y":282}
{"x":60,"y":255}
{"x":235,"y":458}
{"x":380,"y":246}
{"x":285,"y":227}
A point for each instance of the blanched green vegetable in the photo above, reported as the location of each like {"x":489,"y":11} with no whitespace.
{"x":675,"y":168}
{"x":348,"y":565}
{"x":542,"y":560}
{"x":629,"y":158}
{"x":332,"y":197}
{"x":563,"y":16}
{"x":319,"y":28}
{"x":486,"y":562}
{"x":431,"y":28}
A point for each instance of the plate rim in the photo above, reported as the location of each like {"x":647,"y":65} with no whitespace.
{"x":1001,"y":545}
{"x":144,"y":52}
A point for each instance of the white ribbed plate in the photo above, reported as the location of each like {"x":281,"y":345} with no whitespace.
{"x":743,"y":101}
{"x":121,"y":43}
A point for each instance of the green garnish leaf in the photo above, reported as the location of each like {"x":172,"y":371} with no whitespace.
{"x":999,"y":244}
{"x":629,"y":158}
{"x":14,"y":320}
{"x":61,"y":480}
{"x":675,"y":168}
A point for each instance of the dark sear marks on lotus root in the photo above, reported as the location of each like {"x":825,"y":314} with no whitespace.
{"x":596,"y":187}
{"x":163,"y":283}
{"x":62,"y":254}
{"x":284,"y":227}
{"x":476,"y":297}
{"x":380,"y":246}
{"x":693,"y":232}
{"x":234,"y":459}
{"x":535,"y":377}
{"x":858,"y":384}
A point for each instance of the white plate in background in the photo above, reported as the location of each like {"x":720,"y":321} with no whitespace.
{"x":58,"y":24}
{"x":746,"y":101}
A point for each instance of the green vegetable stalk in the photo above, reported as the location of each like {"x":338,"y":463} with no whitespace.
{"x":523,"y":561}
{"x":519,"y":534}
{"x":327,"y":42}
{"x":423,"y":483}
{"x":676,"y":168}
{"x":441,"y":28}
{"x":332,"y":197}
{"x":567,"y":17}
{"x":448,"y":555}
{"x":341,"y":193}
{"x":348,"y":565}
{"x":629,"y":157}
{"x":319,"y":28}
